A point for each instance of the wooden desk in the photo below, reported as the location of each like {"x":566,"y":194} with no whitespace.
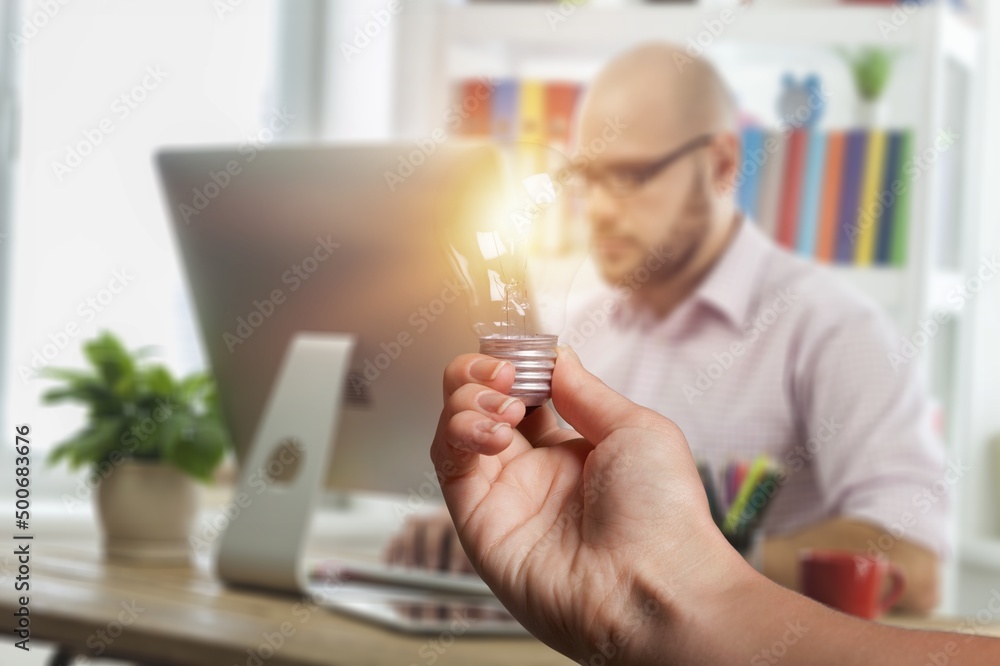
{"x":188,"y":618}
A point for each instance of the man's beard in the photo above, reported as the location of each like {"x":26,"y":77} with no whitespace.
{"x":687,"y":238}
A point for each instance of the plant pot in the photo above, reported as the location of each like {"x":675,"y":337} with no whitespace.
{"x":146,"y":510}
{"x":872,"y":113}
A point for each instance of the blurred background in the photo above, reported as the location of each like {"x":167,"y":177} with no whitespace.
{"x":89,"y":90}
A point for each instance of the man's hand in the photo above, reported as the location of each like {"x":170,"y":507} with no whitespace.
{"x":586,"y":534}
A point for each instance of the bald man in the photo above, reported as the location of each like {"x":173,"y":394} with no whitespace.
{"x":747,"y":348}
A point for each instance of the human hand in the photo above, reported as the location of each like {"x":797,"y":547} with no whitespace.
{"x":428,"y":541}
{"x":589,"y":537}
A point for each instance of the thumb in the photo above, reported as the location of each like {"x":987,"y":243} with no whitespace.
{"x":594,"y":409}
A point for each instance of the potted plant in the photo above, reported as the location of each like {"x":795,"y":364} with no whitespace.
{"x":148,"y":435}
{"x":871,"y":69}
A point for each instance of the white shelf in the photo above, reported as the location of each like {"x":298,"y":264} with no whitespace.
{"x":981,"y":552}
{"x":601,"y":27}
{"x":942,"y":285}
{"x":884,"y":284}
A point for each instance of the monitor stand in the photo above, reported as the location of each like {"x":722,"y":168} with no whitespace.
{"x":286,"y":466}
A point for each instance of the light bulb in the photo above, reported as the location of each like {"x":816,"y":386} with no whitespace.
{"x":503,"y":248}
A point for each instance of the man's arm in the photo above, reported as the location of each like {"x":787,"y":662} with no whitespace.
{"x":600,"y":541}
{"x":920,"y":566}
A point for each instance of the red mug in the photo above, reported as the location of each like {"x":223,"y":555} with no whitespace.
{"x":850,"y":581}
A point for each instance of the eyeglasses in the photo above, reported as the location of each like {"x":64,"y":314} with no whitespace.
{"x":624,"y":180}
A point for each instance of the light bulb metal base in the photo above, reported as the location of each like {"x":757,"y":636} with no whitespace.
{"x":533,"y":357}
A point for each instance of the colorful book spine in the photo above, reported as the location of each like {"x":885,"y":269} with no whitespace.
{"x":850,"y":195}
{"x":560,"y":103}
{"x":753,"y":163}
{"x":888,"y":196}
{"x":866,"y":226}
{"x":809,"y":212}
{"x":901,"y":221}
{"x":776,"y":146}
{"x":826,"y":241}
{"x":503,"y":117}
{"x":474,"y":108}
{"x":531,"y":107}
{"x":791,"y":190}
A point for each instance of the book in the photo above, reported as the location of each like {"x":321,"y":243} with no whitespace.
{"x":753,"y":164}
{"x":854,"y":154}
{"x":791,"y":189}
{"x":503,"y":113}
{"x":812,"y":189}
{"x":474,"y":108}
{"x":866,"y":226}
{"x":901,"y":218}
{"x":560,"y":104}
{"x":888,"y":198}
{"x":531,"y":112}
{"x":826,"y":238}
{"x":771,"y":181}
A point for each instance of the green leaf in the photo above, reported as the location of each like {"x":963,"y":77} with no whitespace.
{"x":69,"y":375}
{"x":92,"y":445}
{"x":198,"y":447}
{"x":155,"y":382}
{"x":196,"y":388}
{"x":109,"y":357}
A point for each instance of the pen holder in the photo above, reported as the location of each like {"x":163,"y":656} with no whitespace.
{"x":749,"y":544}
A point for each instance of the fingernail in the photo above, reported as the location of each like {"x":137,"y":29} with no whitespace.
{"x":486,"y":369}
{"x":491,"y":426}
{"x":495,"y":402}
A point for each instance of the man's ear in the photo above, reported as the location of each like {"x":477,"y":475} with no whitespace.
{"x":727,"y":156}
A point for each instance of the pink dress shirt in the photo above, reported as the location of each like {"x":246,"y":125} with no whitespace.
{"x":777,"y":355}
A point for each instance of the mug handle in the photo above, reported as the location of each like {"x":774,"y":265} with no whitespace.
{"x":895,"y":590}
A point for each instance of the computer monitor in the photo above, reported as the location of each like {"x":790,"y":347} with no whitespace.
{"x":330,"y":239}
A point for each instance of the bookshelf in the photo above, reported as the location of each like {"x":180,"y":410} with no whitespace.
{"x":939,"y":57}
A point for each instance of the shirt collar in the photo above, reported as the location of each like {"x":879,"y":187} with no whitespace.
{"x":730,"y":286}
